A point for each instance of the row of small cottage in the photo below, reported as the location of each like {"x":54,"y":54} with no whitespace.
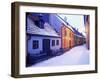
{"x":48,"y":34}
{"x":70,"y":37}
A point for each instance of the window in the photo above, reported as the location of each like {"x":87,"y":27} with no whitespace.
{"x":57,"y":42}
{"x":70,"y":34}
{"x":53,"y":42}
{"x":65,"y":33}
{"x":35,"y":44}
{"x":36,"y":23}
{"x":39,"y":23}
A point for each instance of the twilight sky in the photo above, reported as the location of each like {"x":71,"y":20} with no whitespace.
{"x":77,"y":21}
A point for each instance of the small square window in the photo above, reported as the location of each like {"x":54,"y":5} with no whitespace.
{"x":57,"y":42}
{"x":65,"y":33}
{"x":35,"y":44}
{"x":53,"y":42}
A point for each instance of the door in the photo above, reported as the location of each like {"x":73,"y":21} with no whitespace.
{"x":46,"y":46}
{"x":70,"y":44}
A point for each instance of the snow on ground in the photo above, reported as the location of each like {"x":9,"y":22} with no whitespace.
{"x":76,"y":56}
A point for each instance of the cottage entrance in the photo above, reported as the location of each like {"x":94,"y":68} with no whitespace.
{"x":70,"y":44}
{"x":46,"y":46}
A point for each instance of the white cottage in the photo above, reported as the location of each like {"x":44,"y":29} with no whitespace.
{"x":43,"y":41}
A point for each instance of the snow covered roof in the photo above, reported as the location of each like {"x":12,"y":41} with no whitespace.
{"x":69,"y":26}
{"x":47,"y":31}
{"x":65,"y":23}
{"x":77,"y":33}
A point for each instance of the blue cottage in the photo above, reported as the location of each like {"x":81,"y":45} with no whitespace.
{"x":42,"y":39}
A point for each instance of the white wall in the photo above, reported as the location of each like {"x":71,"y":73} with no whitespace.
{"x":30,"y":45}
{"x":40,"y":39}
{"x":5,"y":41}
{"x":56,"y":47}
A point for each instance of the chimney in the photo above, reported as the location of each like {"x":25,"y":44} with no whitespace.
{"x":41,"y":21}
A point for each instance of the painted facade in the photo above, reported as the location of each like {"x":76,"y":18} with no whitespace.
{"x":67,"y":37}
{"x":79,"y":39}
{"x":42,"y":39}
{"x":70,"y":37}
{"x":87,"y":29}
